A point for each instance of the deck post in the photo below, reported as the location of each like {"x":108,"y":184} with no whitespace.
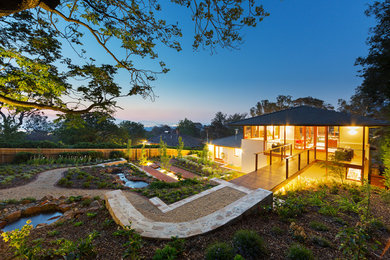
{"x":299,"y":162}
{"x":315,"y":152}
{"x":363,"y":152}
{"x":308,"y":157}
{"x":270,"y":157}
{"x":256,"y":160}
{"x":286,"y":168}
{"x":326,"y":142}
{"x":290,"y":149}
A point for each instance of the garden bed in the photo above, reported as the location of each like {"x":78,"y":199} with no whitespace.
{"x":98,"y":177}
{"x":275,"y":227}
{"x":170,"y":192}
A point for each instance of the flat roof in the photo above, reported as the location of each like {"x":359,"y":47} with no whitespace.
{"x":310,"y":116}
{"x":230,"y":141}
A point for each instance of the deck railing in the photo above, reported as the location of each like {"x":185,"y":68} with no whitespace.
{"x":279,"y":151}
{"x":304,"y":158}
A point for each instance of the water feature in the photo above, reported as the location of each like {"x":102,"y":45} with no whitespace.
{"x":132,"y":184}
{"x":47,"y":218}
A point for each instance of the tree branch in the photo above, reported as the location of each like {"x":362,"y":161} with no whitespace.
{"x":27,"y":104}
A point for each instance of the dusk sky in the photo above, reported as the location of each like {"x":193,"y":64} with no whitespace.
{"x":304,"y":48}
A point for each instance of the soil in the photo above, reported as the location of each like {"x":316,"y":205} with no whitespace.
{"x":278,"y":240}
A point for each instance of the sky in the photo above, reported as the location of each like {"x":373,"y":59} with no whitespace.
{"x":304,"y":48}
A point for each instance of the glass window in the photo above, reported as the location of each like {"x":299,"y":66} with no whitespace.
{"x":247,"y":132}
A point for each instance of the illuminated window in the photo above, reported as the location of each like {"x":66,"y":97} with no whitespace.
{"x":354,"y":174}
{"x":237,"y":152}
{"x":247,"y":132}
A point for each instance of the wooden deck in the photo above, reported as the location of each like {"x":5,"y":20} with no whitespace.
{"x":271,"y":176}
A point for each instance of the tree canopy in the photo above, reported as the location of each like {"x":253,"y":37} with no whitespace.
{"x":35,"y":73}
{"x":283,"y":102}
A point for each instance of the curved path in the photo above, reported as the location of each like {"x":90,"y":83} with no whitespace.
{"x":44,"y":185}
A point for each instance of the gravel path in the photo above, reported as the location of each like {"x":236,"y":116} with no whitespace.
{"x":45,"y":185}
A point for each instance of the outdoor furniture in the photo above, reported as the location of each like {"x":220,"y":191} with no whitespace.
{"x":344,"y":154}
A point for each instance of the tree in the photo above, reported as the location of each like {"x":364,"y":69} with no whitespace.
{"x":38,"y":127}
{"x":375,"y":67}
{"x":283,"y":102}
{"x":187,"y":127}
{"x":158,"y":130}
{"x":12,"y":120}
{"x":135,"y":131}
{"x":180,"y":147}
{"x":32,"y":33}
{"x":164,"y":157}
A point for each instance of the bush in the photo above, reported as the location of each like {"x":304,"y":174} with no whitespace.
{"x":116,"y":154}
{"x":318,"y":226}
{"x":322,"y":242}
{"x":23,"y":157}
{"x":92,"y":154}
{"x":249,"y":244}
{"x":219,"y":251}
{"x":167,"y":253}
{"x":299,"y":252}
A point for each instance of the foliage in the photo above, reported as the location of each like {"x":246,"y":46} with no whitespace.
{"x":219,"y":125}
{"x":318,"y":226}
{"x":283,"y":102}
{"x":322,"y":242}
{"x":18,"y":239}
{"x":375,"y":67}
{"x":167,"y":253}
{"x":299,"y":252}
{"x":385,"y":153}
{"x":116,"y":154}
{"x":38,"y":82}
{"x":249,"y":244}
{"x":291,"y":207}
{"x":219,"y":251}
{"x":132,"y":131}
{"x":179,"y":148}
{"x":336,"y":168}
{"x":133,"y":244}
{"x":164,"y":158}
{"x":143,"y":160}
{"x":22,"y":157}
{"x":129,"y":151}
{"x":187,"y":127}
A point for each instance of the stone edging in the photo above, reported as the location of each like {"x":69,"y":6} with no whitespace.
{"x":125,"y":214}
{"x":161,"y":205}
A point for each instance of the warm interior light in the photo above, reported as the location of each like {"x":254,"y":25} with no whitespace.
{"x":352,"y":130}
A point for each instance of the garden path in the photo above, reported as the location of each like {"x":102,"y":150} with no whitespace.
{"x":44,"y":185}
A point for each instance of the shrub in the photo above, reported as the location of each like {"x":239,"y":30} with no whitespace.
{"x":249,"y":244}
{"x":318,"y":226}
{"x":320,"y":241}
{"x":219,"y":251}
{"x":167,"y":253}
{"x":277,"y":230}
{"x":299,"y":252}
{"x":292,"y":207}
{"x":117,"y":155}
{"x":22,"y":157}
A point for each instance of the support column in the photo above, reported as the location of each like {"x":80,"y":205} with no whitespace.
{"x":363,"y":151}
{"x":326,"y":142}
{"x":285,"y":135}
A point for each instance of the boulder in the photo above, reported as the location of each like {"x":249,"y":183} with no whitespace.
{"x":3,"y":223}
{"x":33,"y":210}
{"x":14,"y":216}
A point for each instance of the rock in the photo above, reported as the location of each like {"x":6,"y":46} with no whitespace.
{"x":14,"y":216}
{"x":95,"y":204}
{"x":49,"y":207}
{"x":3,"y":223}
{"x":41,"y":225}
{"x":64,"y":207}
{"x":32,"y":211}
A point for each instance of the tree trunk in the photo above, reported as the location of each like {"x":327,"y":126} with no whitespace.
{"x":8,"y":7}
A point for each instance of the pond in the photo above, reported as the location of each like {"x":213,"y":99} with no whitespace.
{"x":132,"y":184}
{"x":47,"y":218}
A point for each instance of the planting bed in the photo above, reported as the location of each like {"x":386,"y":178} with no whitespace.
{"x":317,"y":230}
{"x":98,"y":177}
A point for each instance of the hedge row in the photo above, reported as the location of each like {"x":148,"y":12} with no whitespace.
{"x":23,"y":157}
{"x":87,"y":145}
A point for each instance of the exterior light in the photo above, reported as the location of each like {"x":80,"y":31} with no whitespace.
{"x":352,"y":130}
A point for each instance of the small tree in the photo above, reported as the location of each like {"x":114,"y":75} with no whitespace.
{"x":336,"y":168}
{"x":205,"y":154}
{"x":129,"y":154}
{"x":180,"y":147}
{"x":144,"y":159}
{"x":385,"y":154}
{"x":164,"y":158}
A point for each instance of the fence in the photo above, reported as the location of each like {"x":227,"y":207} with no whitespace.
{"x":8,"y":154}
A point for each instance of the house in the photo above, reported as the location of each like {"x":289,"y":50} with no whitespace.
{"x":171,"y":138}
{"x":297,"y":137}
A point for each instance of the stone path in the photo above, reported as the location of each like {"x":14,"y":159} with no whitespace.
{"x":157,"y":174}
{"x":125,"y":214}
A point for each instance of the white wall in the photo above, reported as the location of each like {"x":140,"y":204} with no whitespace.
{"x":230,"y":158}
{"x":249,"y":148}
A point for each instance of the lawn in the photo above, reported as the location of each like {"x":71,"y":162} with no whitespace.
{"x":312,"y":223}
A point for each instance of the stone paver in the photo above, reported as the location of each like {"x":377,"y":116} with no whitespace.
{"x":125,"y":214}
{"x":157,"y":174}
